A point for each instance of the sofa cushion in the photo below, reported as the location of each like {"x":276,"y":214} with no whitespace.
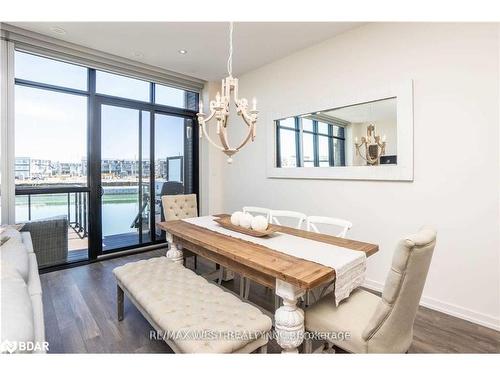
{"x":16,"y":324}
{"x":28,"y":244}
{"x":34,"y":285}
{"x":38,"y":323}
{"x":14,"y":253}
{"x":9,"y":232}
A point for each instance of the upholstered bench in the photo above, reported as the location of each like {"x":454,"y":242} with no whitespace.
{"x":191,"y":314}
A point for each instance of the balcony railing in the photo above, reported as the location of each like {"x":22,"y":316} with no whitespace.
{"x":47,"y":202}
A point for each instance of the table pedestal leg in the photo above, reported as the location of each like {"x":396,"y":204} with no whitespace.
{"x":289,"y":319}
{"x":174,"y":252}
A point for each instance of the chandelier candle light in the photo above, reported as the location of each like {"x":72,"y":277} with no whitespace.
{"x":220,"y":108}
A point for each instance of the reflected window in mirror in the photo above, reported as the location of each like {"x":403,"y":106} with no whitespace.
{"x":303,"y":141}
{"x":358,"y":135}
{"x":287,"y":135}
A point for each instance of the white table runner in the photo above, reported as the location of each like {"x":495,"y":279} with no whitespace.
{"x":349,"y":265}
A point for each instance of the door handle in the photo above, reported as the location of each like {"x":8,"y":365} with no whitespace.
{"x":101,"y":190}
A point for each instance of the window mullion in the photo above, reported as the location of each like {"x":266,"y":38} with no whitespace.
{"x":316,"y":143}
{"x":278,"y":145}
{"x":299,"y":145}
{"x":331,"y":153}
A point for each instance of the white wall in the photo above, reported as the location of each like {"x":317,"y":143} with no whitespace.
{"x":455,"y":68}
{"x":210,"y":164}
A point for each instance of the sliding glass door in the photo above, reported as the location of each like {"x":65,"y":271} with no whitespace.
{"x":124,"y":198}
{"x":143,"y":153}
{"x":173,"y":159}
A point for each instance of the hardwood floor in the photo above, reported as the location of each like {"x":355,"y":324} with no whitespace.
{"x":80,"y":316}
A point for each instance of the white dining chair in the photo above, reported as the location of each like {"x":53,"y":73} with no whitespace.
{"x":311,"y":225}
{"x":343,"y":225}
{"x":257,"y":210}
{"x":275,"y":214}
{"x":244,"y":282}
{"x":273,"y":218}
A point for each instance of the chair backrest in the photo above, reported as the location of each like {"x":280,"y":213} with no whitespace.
{"x":258,"y":210}
{"x":172,"y":188}
{"x":344,"y":225}
{"x":180,"y":206}
{"x":391,"y":327}
{"x":275,"y":214}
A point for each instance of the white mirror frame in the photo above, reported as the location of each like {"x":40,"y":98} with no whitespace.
{"x":403,"y":171}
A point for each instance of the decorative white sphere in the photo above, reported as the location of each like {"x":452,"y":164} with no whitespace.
{"x":235,"y":217}
{"x":246,"y":220}
{"x":259,"y":223}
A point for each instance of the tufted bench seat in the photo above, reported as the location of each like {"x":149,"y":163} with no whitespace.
{"x":182,"y":306}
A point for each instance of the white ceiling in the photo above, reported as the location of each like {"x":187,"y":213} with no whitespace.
{"x":382,"y":110}
{"x":158,"y":43}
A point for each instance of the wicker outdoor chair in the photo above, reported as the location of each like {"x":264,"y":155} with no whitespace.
{"x":50,"y":240}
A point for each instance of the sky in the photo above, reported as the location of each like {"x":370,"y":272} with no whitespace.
{"x":52,"y":125}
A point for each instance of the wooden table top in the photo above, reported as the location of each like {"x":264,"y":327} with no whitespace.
{"x":258,"y":262}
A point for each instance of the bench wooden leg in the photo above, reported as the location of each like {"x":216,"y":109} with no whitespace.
{"x":247,"y":288}
{"x":119,"y":302}
{"x":242,"y":286}
{"x":221,"y":275}
{"x":263,"y":349}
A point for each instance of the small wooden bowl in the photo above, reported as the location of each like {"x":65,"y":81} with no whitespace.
{"x":225,"y":222}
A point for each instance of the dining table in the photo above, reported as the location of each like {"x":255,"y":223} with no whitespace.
{"x":289,"y":276}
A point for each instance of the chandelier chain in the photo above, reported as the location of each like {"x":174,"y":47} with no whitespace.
{"x":230,"y":59}
{"x":220,"y":108}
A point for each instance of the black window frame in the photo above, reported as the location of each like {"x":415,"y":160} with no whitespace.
{"x":299,"y":141}
{"x":296,"y":129}
{"x":94,"y":101}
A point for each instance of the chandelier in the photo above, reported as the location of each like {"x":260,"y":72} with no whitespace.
{"x":220,"y":108}
{"x":374,"y":146}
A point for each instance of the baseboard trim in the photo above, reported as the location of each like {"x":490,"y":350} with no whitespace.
{"x":447,"y":308}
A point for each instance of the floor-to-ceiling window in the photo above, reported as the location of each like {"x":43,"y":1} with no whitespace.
{"x":51,"y":122}
{"x":93,"y":150}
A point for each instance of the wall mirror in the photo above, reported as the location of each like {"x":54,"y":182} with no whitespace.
{"x":365,"y":139}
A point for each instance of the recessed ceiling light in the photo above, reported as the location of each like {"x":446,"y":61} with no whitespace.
{"x":182,"y":51}
{"x":58,"y":30}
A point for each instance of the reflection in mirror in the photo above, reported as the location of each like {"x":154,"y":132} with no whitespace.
{"x":358,"y":135}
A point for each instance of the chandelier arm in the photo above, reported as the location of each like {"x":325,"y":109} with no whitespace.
{"x":207,"y":119}
{"x":203,"y":127}
{"x":223,"y":138}
{"x":248,"y":120}
{"x":251,"y":123}
{"x":247,"y":138}
{"x":368,"y":159}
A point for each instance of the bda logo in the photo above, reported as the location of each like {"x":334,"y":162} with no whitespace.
{"x":8,"y":347}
